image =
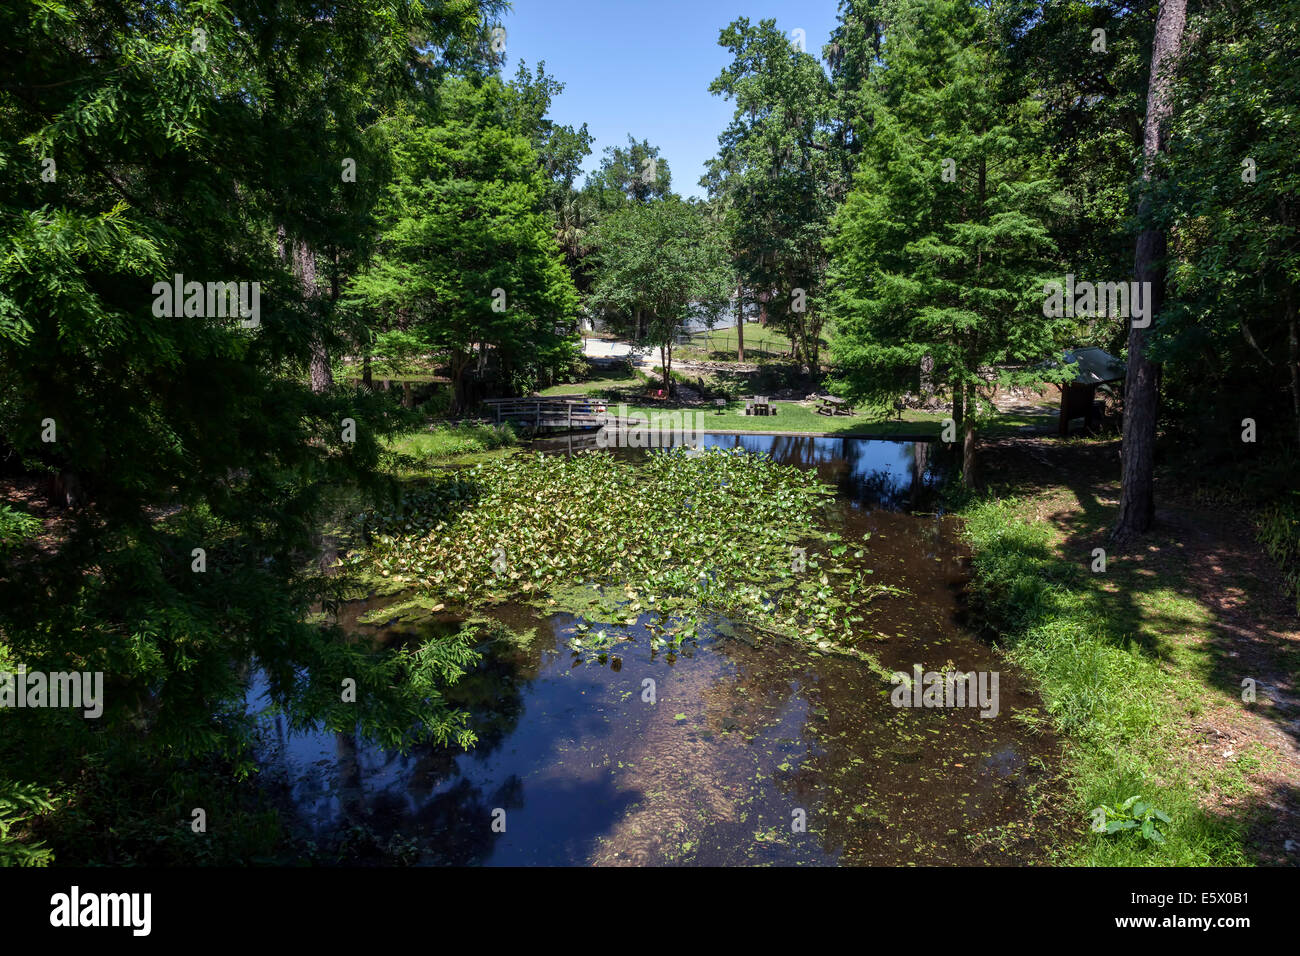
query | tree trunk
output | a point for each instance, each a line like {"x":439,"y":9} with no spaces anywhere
{"x":303,"y":262}
{"x":812,"y":346}
{"x":968,"y":453}
{"x":321,"y":376}
{"x":458,"y":365}
{"x":964,"y":425}
{"x":304,"y":266}
{"x":1293,"y":355}
{"x":740,"y":322}
{"x":1142,"y":382}
{"x":365,"y":370}
{"x":958,"y":406}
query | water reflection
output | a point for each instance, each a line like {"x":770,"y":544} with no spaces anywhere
{"x":895,"y":475}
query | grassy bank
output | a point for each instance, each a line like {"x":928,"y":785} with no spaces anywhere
{"x":1139,"y":666}
{"x":601,"y":380}
{"x":414,"y":453}
{"x":794,"y":417}
{"x":804,"y":419}
{"x":1113,"y":698}
{"x":622,"y":385}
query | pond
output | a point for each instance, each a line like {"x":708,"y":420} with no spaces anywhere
{"x":722,"y":752}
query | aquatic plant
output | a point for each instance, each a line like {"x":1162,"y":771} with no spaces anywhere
{"x":663,"y":543}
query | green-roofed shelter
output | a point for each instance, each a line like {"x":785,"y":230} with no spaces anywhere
{"x":1094,"y":367}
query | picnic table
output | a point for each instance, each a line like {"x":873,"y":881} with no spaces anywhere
{"x":759,"y":405}
{"x":830,"y":405}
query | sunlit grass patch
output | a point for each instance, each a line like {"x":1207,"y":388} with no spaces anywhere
{"x":601,"y":379}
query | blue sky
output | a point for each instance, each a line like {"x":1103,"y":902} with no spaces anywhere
{"x":644,"y":67}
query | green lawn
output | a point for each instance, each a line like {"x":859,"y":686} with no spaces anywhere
{"x":620,"y":385}
{"x":794,"y":417}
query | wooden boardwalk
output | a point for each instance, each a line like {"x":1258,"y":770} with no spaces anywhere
{"x":560,"y":411}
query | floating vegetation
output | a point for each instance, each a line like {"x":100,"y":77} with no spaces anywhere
{"x":663,"y":544}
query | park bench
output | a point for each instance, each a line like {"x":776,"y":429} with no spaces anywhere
{"x":759,"y":405}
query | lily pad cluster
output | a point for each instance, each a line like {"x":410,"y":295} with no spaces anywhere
{"x":658,"y":542}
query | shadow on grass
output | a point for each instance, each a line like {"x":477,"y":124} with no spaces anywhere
{"x":1196,"y":595}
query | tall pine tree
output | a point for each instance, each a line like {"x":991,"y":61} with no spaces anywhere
{"x":940,"y":251}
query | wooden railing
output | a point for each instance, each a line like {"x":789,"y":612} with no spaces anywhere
{"x":559,"y":411}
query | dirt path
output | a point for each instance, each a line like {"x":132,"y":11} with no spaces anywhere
{"x":1256,"y":637}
